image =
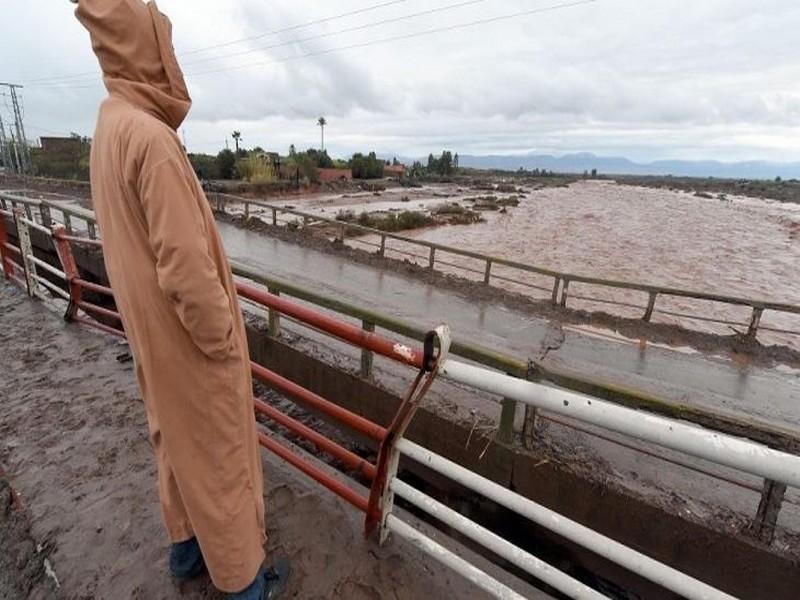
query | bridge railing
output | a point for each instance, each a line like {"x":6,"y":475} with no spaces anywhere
{"x":559,"y":292}
{"x":779,"y":467}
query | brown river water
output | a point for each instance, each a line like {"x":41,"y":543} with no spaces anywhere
{"x":735,"y":246}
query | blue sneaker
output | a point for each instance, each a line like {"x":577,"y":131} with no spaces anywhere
{"x":186,"y":561}
{"x":269,"y":583}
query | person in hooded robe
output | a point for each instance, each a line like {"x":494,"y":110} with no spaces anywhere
{"x":178,"y":303}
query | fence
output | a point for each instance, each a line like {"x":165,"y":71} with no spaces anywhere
{"x":558,"y":292}
{"x":433,"y":359}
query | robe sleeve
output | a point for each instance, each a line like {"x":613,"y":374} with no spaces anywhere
{"x":186,"y":272}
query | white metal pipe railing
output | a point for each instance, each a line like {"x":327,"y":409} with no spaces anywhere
{"x":720,"y":448}
{"x":502,"y":548}
{"x":47,"y":267}
{"x":634,"y":561}
{"x":451,"y":560}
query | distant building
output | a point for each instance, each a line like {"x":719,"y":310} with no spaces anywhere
{"x":329,"y":175}
{"x":62,"y":148}
{"x":394,"y":171}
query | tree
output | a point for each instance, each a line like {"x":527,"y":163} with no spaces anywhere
{"x":367,"y":167}
{"x":322,"y":122}
{"x":292,"y":151}
{"x":455,"y":161}
{"x":226,"y":163}
{"x":237,"y":135}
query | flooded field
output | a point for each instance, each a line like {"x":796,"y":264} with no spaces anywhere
{"x":725,"y":245}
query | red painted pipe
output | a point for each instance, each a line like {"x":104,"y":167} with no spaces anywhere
{"x":95,"y":287}
{"x":79,"y":240}
{"x":350,"y":459}
{"x":89,"y":307}
{"x":100,"y":326}
{"x":333,"y":484}
{"x":345,"y":331}
{"x":312,"y":400}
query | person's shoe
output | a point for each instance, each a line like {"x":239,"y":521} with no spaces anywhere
{"x":269,"y":583}
{"x":186,"y":561}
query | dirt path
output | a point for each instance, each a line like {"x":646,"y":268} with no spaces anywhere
{"x":73,"y":443}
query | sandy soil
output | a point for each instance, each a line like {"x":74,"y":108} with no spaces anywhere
{"x":74,"y":445}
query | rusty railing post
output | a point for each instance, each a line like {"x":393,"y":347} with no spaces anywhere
{"x":531,"y":414}
{"x":487,"y":275}
{"x":432,"y":258}
{"x":382,"y":251}
{"x":651,"y":304}
{"x":44,"y":213}
{"x":274,"y":317}
{"x":367,"y":357}
{"x":508,"y":413}
{"x":70,"y":268}
{"x":555,"y":290}
{"x":755,"y":321}
{"x":564,"y":292}
{"x":275,"y":217}
{"x":763,"y":525}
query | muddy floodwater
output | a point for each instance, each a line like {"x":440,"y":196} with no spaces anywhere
{"x":735,"y":246}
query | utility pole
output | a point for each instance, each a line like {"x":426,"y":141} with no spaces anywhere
{"x":5,"y":149}
{"x":21,"y":146}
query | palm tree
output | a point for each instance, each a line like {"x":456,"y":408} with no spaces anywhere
{"x":322,"y":122}
{"x":237,"y":135}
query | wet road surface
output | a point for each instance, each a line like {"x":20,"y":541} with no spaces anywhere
{"x":771,"y":395}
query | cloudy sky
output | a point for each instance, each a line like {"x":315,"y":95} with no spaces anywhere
{"x":647,"y":79}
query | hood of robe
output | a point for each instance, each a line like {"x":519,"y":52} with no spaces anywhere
{"x":133,"y":42}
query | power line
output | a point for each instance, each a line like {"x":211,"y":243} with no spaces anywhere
{"x":340,"y":32}
{"x":379,"y":41}
{"x":245,"y":39}
{"x":296,"y":27}
{"x":400,"y":37}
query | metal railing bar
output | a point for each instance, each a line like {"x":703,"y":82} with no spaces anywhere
{"x":723,"y":449}
{"x":88,"y":307}
{"x":13,"y":248}
{"x":47,"y":267}
{"x":699,"y":318}
{"x":629,"y":558}
{"x":337,"y":487}
{"x":499,"y":546}
{"x":449,"y":559}
{"x":53,"y":288}
{"x":95,"y":287}
{"x":778,"y":330}
{"x":348,"y":458}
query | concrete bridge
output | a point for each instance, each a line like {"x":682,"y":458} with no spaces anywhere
{"x":710,"y":391}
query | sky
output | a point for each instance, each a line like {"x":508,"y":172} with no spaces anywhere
{"x":668,"y":79}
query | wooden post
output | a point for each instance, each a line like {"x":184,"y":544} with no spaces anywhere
{"x":651,"y":303}
{"x":92,"y":229}
{"x":274,"y":318}
{"x":246,"y":211}
{"x":342,"y":233}
{"x":432,"y":258}
{"x":564,"y":291}
{"x":29,"y":212}
{"x":488,"y":273}
{"x":305,"y":221}
{"x":755,"y":321}
{"x":67,"y":222}
{"x":44,"y":212}
{"x":555,"y":290}
{"x":506,"y":432}
{"x":763,"y":526}
{"x":275,"y":217}
{"x":367,"y":357}
{"x":383,"y":246}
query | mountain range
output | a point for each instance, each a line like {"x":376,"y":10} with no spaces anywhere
{"x":618,"y":165}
